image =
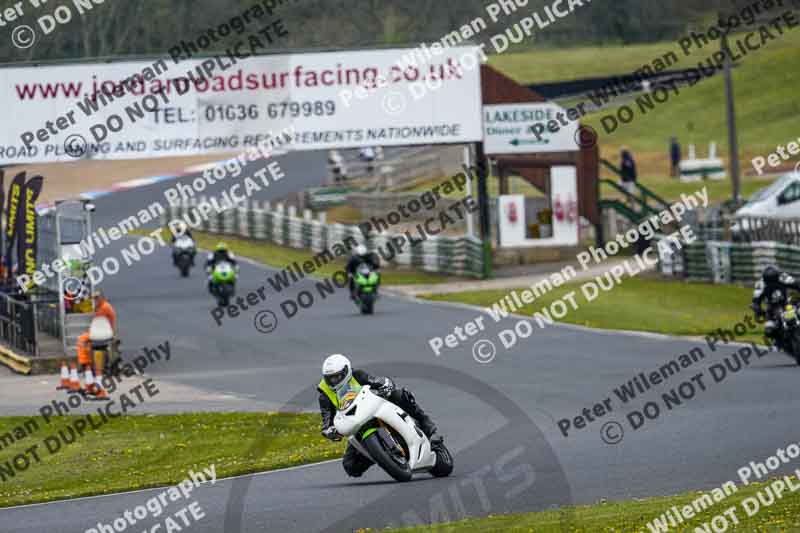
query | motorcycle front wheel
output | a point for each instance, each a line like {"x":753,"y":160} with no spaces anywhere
{"x":794,"y":345}
{"x":221,"y":297}
{"x":367,"y":304}
{"x":393,"y":465}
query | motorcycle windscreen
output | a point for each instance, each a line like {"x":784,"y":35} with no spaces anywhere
{"x":347,"y":394}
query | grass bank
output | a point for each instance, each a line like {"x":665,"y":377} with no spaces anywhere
{"x":633,"y":516}
{"x":136,"y":452}
{"x":766,"y":109}
{"x":640,"y":304}
{"x":763,"y":83}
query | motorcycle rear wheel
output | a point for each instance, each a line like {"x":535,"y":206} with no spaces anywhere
{"x":444,"y":461}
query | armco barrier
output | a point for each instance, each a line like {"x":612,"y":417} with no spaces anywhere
{"x":730,"y":262}
{"x":461,"y":256}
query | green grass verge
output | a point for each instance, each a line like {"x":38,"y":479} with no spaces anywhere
{"x":671,"y":189}
{"x":640,"y":304}
{"x":135,"y":452}
{"x":516,"y":185}
{"x":633,"y":516}
{"x":278,"y":256}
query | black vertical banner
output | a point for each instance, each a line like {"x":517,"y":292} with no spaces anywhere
{"x":14,"y":199}
{"x":2,"y":204}
{"x":26,"y":228}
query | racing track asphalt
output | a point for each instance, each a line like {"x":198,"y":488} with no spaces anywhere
{"x":499,"y":418}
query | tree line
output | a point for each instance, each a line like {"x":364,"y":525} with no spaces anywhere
{"x":124,"y":28}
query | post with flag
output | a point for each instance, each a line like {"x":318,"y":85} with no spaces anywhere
{"x":2,"y":233}
{"x":27,"y":227}
{"x":26,"y":249}
{"x":14,"y":196}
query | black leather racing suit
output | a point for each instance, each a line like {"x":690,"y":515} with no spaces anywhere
{"x":776,"y":296}
{"x":353,"y":462}
{"x":216,"y":257}
{"x":186,"y":233}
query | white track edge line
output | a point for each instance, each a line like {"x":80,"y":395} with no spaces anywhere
{"x":97,"y":496}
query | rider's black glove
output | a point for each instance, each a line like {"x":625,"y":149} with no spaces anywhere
{"x":331,"y":434}
{"x":386,"y":388}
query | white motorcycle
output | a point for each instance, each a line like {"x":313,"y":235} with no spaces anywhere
{"x":389,"y":436}
{"x":183,"y":254}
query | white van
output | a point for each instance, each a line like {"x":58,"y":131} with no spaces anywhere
{"x":781,"y":199}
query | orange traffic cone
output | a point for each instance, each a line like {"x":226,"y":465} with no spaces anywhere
{"x":64,"y":377}
{"x":74,"y":380}
{"x":100,"y":391}
{"x":88,"y":378}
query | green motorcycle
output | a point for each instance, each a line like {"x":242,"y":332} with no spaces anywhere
{"x":223,"y":282}
{"x":366,"y":284}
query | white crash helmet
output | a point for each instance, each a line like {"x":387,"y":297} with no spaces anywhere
{"x":361,"y":250}
{"x":337,"y":371}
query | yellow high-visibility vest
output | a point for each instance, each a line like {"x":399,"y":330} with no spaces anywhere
{"x":331,"y":394}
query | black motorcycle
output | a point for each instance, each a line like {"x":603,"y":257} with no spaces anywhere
{"x":183,"y":253}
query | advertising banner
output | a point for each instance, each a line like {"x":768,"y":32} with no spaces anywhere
{"x":26,"y":228}
{"x":14,"y":201}
{"x":2,"y":206}
{"x":159,"y":108}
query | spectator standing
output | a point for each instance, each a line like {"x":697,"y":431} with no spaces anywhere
{"x":674,"y":157}
{"x":367,"y":155}
{"x":336,"y":162}
{"x":628,"y":170}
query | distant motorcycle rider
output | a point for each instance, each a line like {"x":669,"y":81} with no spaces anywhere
{"x":360,"y":255}
{"x":220,"y":254}
{"x":337,"y":373}
{"x":773,"y":287}
{"x":185,"y":233}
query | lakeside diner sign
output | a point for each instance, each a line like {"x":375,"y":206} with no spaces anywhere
{"x":528,"y":128}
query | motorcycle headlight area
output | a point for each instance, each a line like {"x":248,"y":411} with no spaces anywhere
{"x":346,"y":405}
{"x":348,"y":400}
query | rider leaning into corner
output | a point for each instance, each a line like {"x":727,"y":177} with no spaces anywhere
{"x":220,"y":253}
{"x":773,"y":287}
{"x":337,"y":372}
{"x":360,"y":255}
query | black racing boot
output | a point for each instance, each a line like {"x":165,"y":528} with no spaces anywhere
{"x":427,"y":426}
{"x":410,"y":405}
